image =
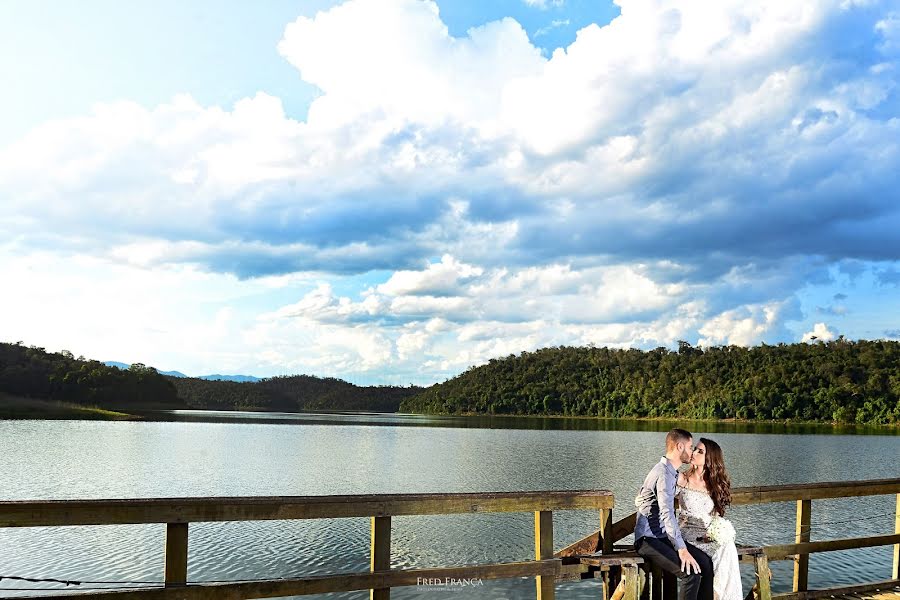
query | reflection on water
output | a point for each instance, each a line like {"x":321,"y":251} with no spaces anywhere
{"x":512,"y":422}
{"x":256,"y":456}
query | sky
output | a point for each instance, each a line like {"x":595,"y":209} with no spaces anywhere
{"x":393,"y":191}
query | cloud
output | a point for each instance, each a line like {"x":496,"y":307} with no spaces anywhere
{"x":820,"y":332}
{"x":837,"y":310}
{"x":680,"y":173}
{"x":745,"y":326}
{"x":888,"y":276}
{"x":554,"y":24}
{"x":443,"y":278}
{"x":626,"y":144}
{"x":544,"y":4}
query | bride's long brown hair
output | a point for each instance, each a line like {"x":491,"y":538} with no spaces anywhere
{"x":718,"y":484}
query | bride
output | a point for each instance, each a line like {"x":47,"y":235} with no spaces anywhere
{"x":703,"y":492}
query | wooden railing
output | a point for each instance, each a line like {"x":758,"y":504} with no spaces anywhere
{"x":800,"y":550}
{"x":546,"y":568}
{"x":178,"y":513}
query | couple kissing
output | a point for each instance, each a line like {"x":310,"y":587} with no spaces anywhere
{"x":696,"y":544}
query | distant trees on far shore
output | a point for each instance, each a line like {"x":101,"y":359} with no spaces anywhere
{"x":32,"y":372}
{"x":290,"y":393}
{"x":839,"y":381}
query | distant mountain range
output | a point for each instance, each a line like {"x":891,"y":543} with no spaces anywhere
{"x":213,"y":377}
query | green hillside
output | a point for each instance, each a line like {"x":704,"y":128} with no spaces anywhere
{"x":842,"y":381}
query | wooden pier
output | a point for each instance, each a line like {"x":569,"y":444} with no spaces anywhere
{"x":624,"y":575}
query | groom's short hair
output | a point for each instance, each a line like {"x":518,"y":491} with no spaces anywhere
{"x":676,"y":436}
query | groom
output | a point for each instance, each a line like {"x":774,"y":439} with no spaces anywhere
{"x":656,"y":535}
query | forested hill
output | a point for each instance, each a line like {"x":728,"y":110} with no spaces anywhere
{"x":32,"y":372}
{"x":296,"y":392}
{"x":836,"y":381}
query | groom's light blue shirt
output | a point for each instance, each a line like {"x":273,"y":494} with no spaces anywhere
{"x":656,"y":505}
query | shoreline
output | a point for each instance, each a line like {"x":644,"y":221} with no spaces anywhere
{"x":20,"y":408}
{"x":731,"y":421}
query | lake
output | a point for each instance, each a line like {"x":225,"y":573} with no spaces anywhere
{"x":262,"y":454}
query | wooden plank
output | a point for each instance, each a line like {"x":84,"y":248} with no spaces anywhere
{"x":622,"y":529}
{"x":176,"y":554}
{"x":618,"y":559}
{"x":43,"y":513}
{"x":801,"y":566}
{"x":586,"y":545}
{"x":889,"y":585}
{"x":763,"y":576}
{"x":572,"y":572}
{"x":895,"y":569}
{"x":630,"y":579}
{"x":543,"y":549}
{"x":380,"y":553}
{"x":814,"y":491}
{"x":783,"y":551}
{"x":605,"y":541}
{"x":346,"y":582}
{"x":593,"y":542}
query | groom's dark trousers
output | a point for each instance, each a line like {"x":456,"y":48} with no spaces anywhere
{"x":661,"y":553}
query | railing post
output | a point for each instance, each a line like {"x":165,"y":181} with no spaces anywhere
{"x":895,"y":570}
{"x":632,"y":586}
{"x":606,"y":538}
{"x":176,"y":554}
{"x":763,"y":576}
{"x":801,"y":567}
{"x":543,"y":549}
{"x":381,"y":553}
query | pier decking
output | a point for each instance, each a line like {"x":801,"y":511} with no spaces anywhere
{"x":879,"y":593}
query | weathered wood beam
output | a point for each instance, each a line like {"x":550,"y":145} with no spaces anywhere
{"x":895,"y":570}
{"x":543,"y":550}
{"x":840,"y":591}
{"x":347,"y":582}
{"x":784,"y":550}
{"x":801,"y":567}
{"x":380,"y":559}
{"x":45,"y":513}
{"x":176,"y":554}
{"x":814,"y":491}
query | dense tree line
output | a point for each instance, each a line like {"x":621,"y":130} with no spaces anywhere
{"x":842,"y":381}
{"x":296,"y":392}
{"x":31,"y":372}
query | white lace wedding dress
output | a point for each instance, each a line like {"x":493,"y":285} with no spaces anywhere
{"x":695,"y":513}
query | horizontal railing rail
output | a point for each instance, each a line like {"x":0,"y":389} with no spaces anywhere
{"x":178,"y":513}
{"x":44,"y":513}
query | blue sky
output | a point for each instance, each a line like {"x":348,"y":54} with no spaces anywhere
{"x":391,"y":191}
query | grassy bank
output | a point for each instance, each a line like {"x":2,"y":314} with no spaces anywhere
{"x":17,"y":407}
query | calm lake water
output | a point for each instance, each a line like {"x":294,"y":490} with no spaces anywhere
{"x":252,"y":454}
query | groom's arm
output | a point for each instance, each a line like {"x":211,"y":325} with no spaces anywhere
{"x":665,"y":494}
